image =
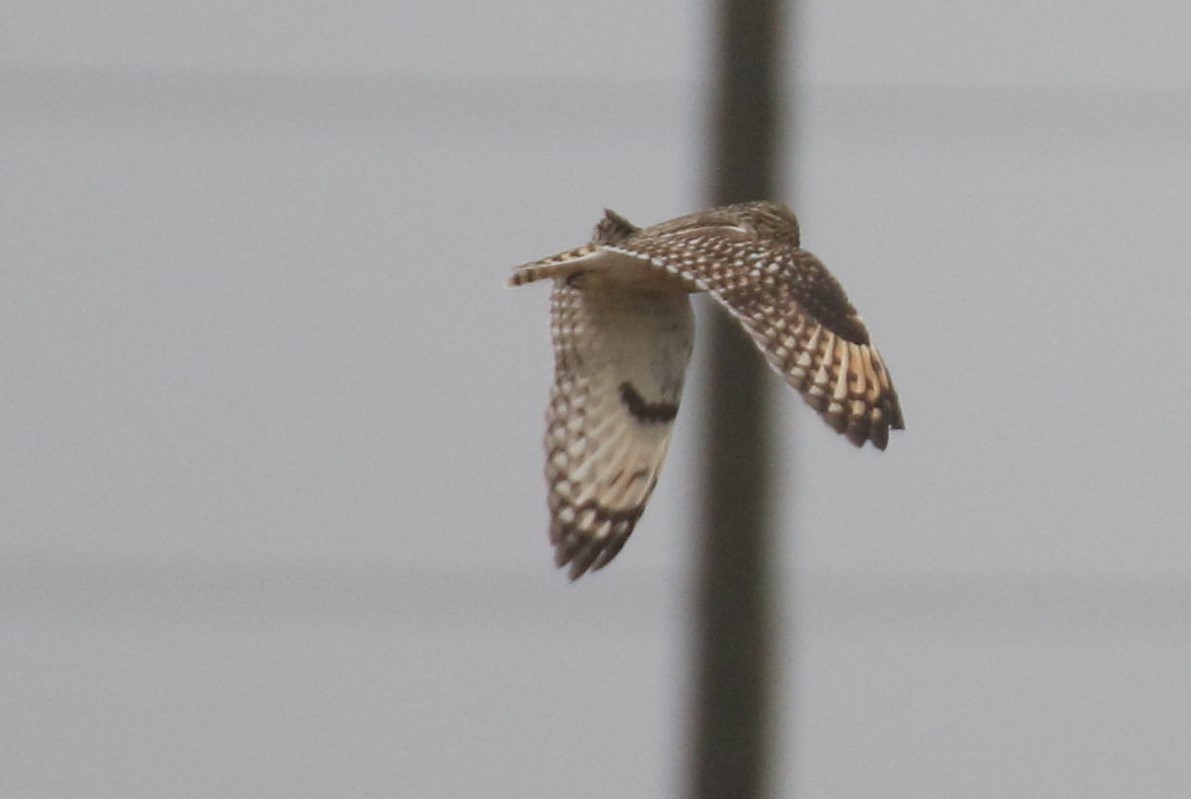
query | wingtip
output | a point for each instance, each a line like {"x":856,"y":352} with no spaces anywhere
{"x":583,"y":550}
{"x":578,"y":557}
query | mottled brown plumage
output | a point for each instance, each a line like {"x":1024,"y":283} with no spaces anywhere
{"x":623,"y":330}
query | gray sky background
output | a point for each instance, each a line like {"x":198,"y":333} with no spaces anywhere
{"x":1012,"y":43}
{"x":273,"y":523}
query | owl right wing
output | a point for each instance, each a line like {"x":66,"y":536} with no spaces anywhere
{"x":795,"y":311}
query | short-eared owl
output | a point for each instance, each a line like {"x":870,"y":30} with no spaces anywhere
{"x":623,"y":329}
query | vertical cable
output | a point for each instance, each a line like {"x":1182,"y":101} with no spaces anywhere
{"x":734,"y":672}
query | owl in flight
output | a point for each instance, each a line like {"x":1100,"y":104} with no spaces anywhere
{"x":623,"y":329}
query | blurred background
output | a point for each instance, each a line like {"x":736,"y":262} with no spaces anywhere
{"x":272,"y":520}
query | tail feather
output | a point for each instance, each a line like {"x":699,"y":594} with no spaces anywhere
{"x":611,"y":229}
{"x":550,"y":267}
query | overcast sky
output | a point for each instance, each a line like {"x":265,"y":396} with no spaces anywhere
{"x":1015,"y":43}
{"x":273,"y":521}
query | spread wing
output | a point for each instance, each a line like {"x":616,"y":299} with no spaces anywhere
{"x":620,"y":363}
{"x":795,"y":311}
{"x":622,"y":329}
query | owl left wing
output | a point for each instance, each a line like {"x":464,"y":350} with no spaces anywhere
{"x":797,"y":314}
{"x":620,"y":358}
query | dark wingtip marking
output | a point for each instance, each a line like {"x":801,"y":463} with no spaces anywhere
{"x":583,"y":549}
{"x":858,"y":432}
{"x":880,"y":438}
{"x":646,"y":412}
{"x":581,"y":557}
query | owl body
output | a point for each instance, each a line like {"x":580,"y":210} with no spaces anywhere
{"x":623,"y":330}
